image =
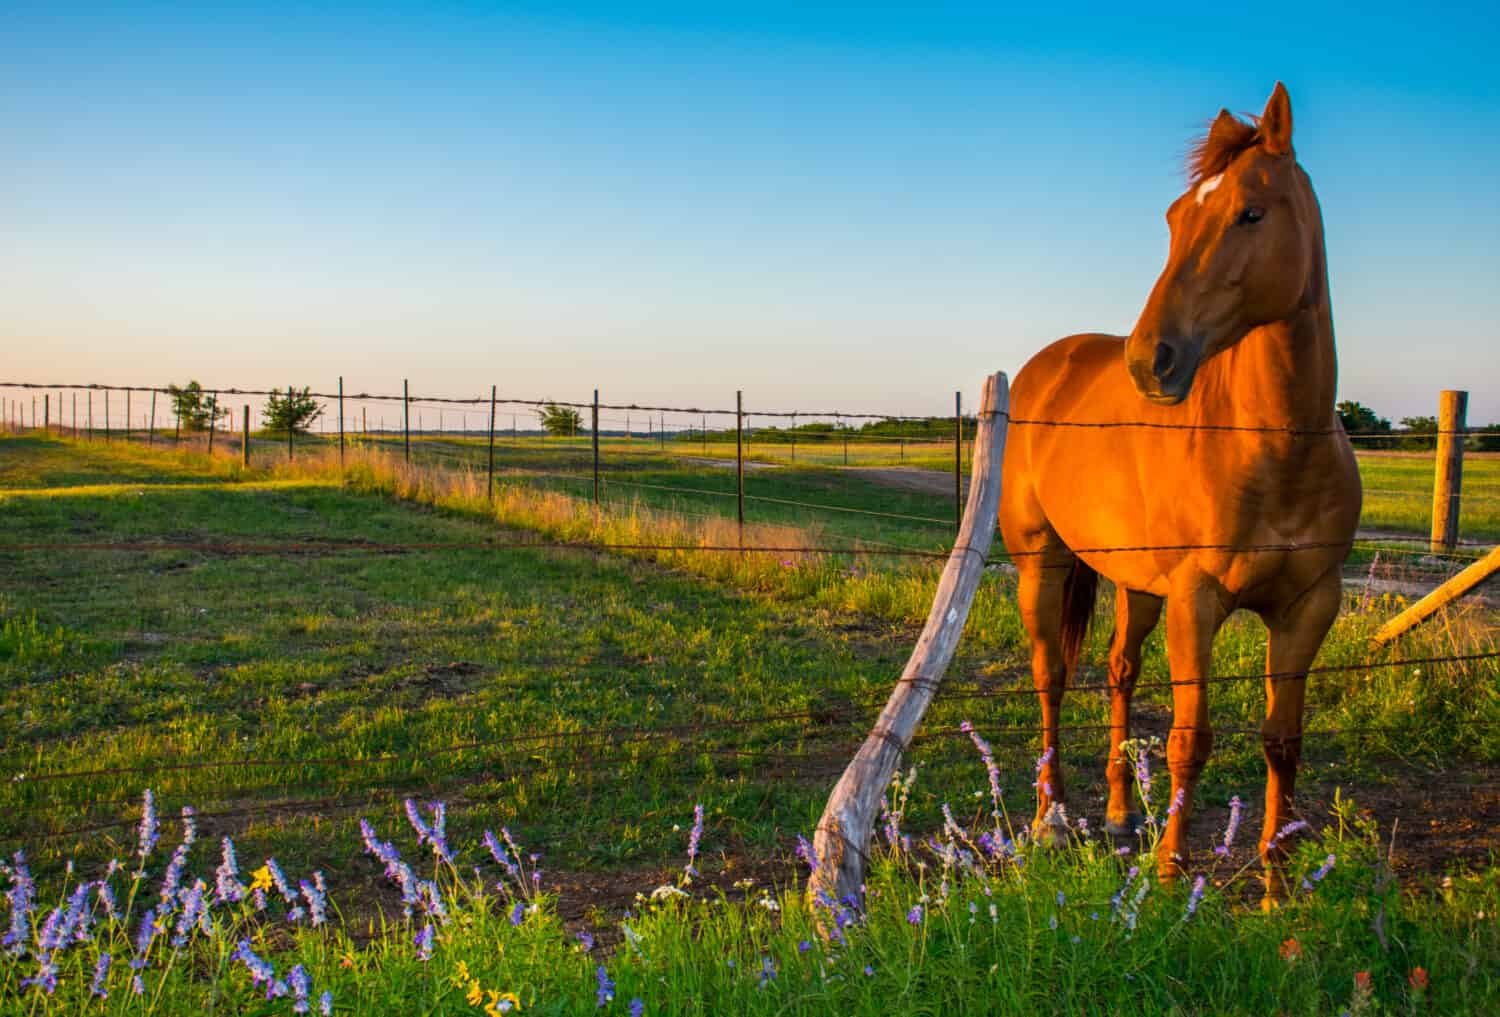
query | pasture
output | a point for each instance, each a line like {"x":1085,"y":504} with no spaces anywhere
{"x":292,"y":647}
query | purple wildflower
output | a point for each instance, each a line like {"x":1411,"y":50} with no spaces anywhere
{"x":1041,"y":764}
{"x":1119,"y":898}
{"x":1199,"y":886}
{"x":301,"y":986}
{"x":137,"y":986}
{"x":914,"y":916}
{"x":637,"y":1007}
{"x":606,"y":987}
{"x":1235,"y":808}
{"x":1178,"y":800}
{"x":869,"y":971}
{"x":106,"y":895}
{"x":1317,"y":877}
{"x":1286,"y":831}
{"x":317,"y":899}
{"x":807,"y":854}
{"x":693,"y":838}
{"x":75,"y":926}
{"x":518,"y":913}
{"x":502,"y":856}
{"x":987,"y":754}
{"x":325,"y":1004}
{"x":424,"y":943}
{"x":227,"y":885}
{"x":260,"y":970}
{"x":101,"y":976}
{"x":149,"y":829}
{"x":586,"y":940}
{"x":194,"y":914}
{"x":144,"y":937}
{"x":767,"y":972}
{"x":283,"y":885}
{"x":804,"y":946}
{"x":1143,"y":772}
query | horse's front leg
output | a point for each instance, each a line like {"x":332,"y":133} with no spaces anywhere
{"x":1136,"y":615}
{"x":1296,"y":632}
{"x":1039,"y":595}
{"x":1194,"y":613}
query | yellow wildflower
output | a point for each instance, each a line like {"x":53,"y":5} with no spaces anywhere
{"x":262,"y":878}
{"x":476,"y":994}
{"x":461,"y":974}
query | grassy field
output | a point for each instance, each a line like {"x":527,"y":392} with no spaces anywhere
{"x":587,"y":700}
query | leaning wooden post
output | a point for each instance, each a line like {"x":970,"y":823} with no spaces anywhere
{"x":1448,"y":470}
{"x":958,"y":460}
{"x":841,"y":843}
{"x":1441,"y":597}
{"x":341,"y":421}
{"x":489,"y":490}
{"x":213,"y":420}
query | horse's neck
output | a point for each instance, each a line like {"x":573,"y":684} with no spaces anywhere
{"x":1283,"y":374}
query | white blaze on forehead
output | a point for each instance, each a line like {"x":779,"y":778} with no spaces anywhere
{"x":1209,"y":186}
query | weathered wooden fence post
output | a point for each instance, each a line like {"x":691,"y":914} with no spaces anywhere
{"x":245,"y":438}
{"x":106,"y":414}
{"x":406,"y":415}
{"x":1448,"y":470}
{"x":1463,"y":583}
{"x":151,"y":427}
{"x":46,"y":412}
{"x":341,"y":421}
{"x":127,"y":414}
{"x":489,"y":494}
{"x":213,"y":420}
{"x":841,"y":843}
{"x":290,"y":430}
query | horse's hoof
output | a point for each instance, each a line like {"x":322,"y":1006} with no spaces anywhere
{"x":1129,"y":828}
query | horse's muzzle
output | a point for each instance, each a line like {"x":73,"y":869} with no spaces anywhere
{"x":1165,"y":376}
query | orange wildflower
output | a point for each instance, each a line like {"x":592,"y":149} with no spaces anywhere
{"x":1291,"y":951}
{"x":1418,"y":978}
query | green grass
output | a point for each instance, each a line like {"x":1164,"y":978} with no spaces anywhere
{"x":586,"y":700}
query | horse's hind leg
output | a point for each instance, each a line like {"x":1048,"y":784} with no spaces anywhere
{"x":1136,"y":615}
{"x":1039,"y":594}
{"x":1296,"y":633}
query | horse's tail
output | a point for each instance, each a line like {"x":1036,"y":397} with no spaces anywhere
{"x":1079,"y":590}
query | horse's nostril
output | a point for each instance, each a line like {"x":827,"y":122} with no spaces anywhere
{"x":1161,"y":363}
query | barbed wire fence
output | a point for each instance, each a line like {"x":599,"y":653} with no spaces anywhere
{"x":607,"y":750}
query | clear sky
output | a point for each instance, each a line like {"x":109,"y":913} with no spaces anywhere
{"x":867,"y":207}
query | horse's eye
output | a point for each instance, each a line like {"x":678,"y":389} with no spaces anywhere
{"x":1250,"y":216}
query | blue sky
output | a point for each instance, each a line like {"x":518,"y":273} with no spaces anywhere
{"x":867,"y":206}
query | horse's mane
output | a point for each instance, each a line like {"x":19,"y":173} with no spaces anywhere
{"x":1211,"y":154}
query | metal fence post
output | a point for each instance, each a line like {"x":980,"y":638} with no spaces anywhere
{"x":341,"y":421}
{"x":596,"y":448}
{"x":958,"y":460}
{"x":489,"y":494}
{"x":1448,"y":469}
{"x":245,"y":438}
{"x":289,"y":428}
{"x":106,"y":415}
{"x":739,"y":460}
{"x":406,"y":415}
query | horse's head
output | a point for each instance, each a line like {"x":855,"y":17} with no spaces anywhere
{"x":1245,"y":240}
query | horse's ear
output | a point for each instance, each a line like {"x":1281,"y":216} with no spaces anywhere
{"x":1276,"y":122}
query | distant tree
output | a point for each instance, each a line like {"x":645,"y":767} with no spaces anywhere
{"x":195,"y":407}
{"x":559,"y":420}
{"x":295,"y":410}
{"x":1420,"y":432}
{"x":1485,"y":439}
{"x":1358,"y":418}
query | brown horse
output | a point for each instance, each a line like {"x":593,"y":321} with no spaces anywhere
{"x":1198,"y":461}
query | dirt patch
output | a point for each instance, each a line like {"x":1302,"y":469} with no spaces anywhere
{"x":729,"y":464}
